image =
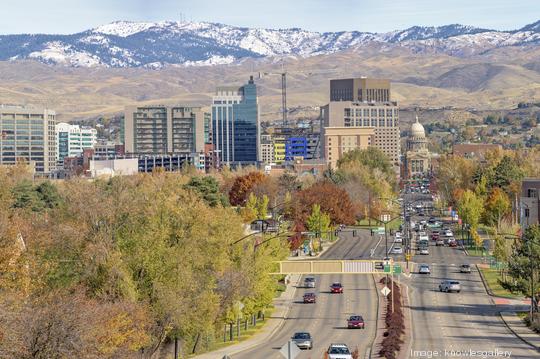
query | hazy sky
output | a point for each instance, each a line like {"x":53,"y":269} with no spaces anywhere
{"x":70,"y":16}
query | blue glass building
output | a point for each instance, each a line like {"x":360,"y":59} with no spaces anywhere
{"x":235,"y":124}
{"x":296,"y":147}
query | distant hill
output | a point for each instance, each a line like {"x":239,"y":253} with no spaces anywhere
{"x":154,"y":45}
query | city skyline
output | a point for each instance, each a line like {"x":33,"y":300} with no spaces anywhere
{"x":66,"y":17}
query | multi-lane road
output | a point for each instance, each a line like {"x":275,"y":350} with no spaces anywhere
{"x":444,"y":325}
{"x":326,"y":320}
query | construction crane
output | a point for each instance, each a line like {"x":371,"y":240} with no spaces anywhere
{"x":283,"y":75}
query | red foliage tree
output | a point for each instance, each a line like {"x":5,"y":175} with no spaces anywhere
{"x":242,"y":187}
{"x":296,"y":240}
{"x":333,"y":200}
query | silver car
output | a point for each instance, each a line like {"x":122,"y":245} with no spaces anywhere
{"x":465,"y":268}
{"x":450,"y":286}
{"x":303,"y":340}
{"x":424,"y":269}
{"x":309,"y":282}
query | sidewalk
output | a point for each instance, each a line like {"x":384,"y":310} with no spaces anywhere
{"x":273,"y":324}
{"x":520,"y":329}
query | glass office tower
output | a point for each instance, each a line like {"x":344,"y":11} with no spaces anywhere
{"x":235,"y":124}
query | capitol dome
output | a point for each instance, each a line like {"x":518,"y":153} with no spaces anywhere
{"x":417,"y":130}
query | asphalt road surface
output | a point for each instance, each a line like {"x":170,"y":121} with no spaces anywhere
{"x":326,"y":320}
{"x":454,"y":325}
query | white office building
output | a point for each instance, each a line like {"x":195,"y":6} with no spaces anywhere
{"x":71,"y":140}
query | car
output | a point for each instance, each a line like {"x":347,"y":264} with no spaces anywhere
{"x":465,"y":268}
{"x":440,"y":242}
{"x":449,"y":286}
{"x":398,"y":235}
{"x":424,"y":251}
{"x":309,"y":282}
{"x":423,"y":237}
{"x":448,"y":233}
{"x":336,"y":288}
{"x":303,"y":340}
{"x":452,"y":243}
{"x":310,"y":298}
{"x":434,"y":236}
{"x":397,"y":250}
{"x":355,"y":321}
{"x":398,"y":240}
{"x":339,"y":351}
{"x":424,"y":269}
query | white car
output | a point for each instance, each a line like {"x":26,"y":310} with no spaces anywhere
{"x":398,"y":235}
{"x":398,"y":240}
{"x":423,"y":238}
{"x":424,"y":269}
{"x":448,"y":233}
{"x":424,"y":251}
{"x":339,"y":351}
{"x":397,"y":250}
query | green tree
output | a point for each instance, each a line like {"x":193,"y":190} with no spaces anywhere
{"x":506,"y":172}
{"x":262,"y":207}
{"x":208,"y":188}
{"x":470,"y":209}
{"x":496,"y":207}
{"x":524,"y":265}
{"x":250,"y":211}
{"x":318,"y":221}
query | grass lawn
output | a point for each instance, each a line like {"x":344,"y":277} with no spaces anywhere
{"x":364,"y":223}
{"x":491,"y":276}
{"x":476,"y":252}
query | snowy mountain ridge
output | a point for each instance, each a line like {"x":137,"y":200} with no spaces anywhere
{"x":157,"y":44}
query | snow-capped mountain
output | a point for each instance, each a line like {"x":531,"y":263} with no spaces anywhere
{"x":155,"y":44}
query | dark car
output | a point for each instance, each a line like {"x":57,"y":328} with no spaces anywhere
{"x":336,"y":288}
{"x":310,"y":298}
{"x":355,"y":321}
{"x":303,"y":340}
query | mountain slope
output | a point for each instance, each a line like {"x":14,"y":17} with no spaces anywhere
{"x":154,"y":45}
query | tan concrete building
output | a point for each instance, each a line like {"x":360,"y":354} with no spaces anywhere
{"x":165,"y":130}
{"x":383,"y":117}
{"x":339,"y":140}
{"x":529,"y":202}
{"x":28,"y":135}
{"x":417,"y":159}
{"x":360,"y":90}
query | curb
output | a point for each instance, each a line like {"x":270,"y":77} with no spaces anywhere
{"x":271,"y":334}
{"x":486,"y":287}
{"x":516,"y":334}
{"x":411,"y":331}
{"x":372,"y":347}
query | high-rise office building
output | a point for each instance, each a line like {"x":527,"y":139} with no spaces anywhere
{"x":28,"y":135}
{"x":159,"y":130}
{"x":365,"y":103}
{"x":235,"y":124}
{"x":71,"y":140}
{"x":360,"y":90}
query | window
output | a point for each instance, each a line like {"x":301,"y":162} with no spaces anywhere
{"x":532,"y":193}
{"x":527,"y":213}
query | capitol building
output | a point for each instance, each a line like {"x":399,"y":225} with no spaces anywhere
{"x":417,"y":159}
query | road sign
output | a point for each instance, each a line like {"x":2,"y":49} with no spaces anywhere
{"x":290,"y":350}
{"x":397,"y":269}
{"x":385,"y":291}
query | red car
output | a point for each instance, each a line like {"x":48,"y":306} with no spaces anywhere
{"x":434,"y":236}
{"x":336,"y":288}
{"x":310,"y":298}
{"x":452,"y":243}
{"x":355,"y":321}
